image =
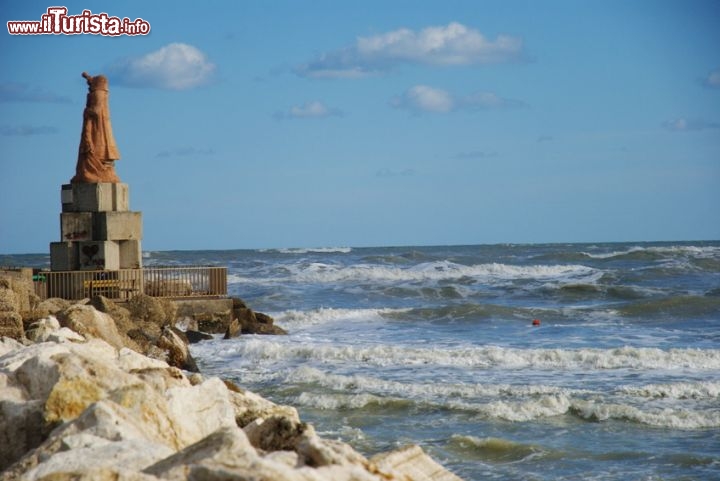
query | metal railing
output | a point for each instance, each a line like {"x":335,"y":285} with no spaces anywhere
{"x":124,"y":284}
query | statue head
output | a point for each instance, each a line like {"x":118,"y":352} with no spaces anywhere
{"x":99,"y":82}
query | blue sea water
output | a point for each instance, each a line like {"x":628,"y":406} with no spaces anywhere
{"x":435,"y":346}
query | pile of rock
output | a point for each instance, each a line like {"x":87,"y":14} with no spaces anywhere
{"x":78,"y":405}
{"x":97,"y":391}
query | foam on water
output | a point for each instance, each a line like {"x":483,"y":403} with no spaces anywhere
{"x":694,"y":251}
{"x":481,"y":356}
{"x":427,"y":343}
{"x":310,"y":250}
{"x":324,"y":315}
{"x":440,"y":270}
{"x":516,"y":403}
{"x":704,"y":390}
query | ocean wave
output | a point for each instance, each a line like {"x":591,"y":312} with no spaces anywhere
{"x":706,"y":390}
{"x":486,"y":357}
{"x":675,"y":418}
{"x":528,"y":408}
{"x":324,"y":315}
{"x":494,"y":449}
{"x":685,"y":306}
{"x":416,"y":390}
{"x":310,"y":250}
{"x":658,"y":252}
{"x":337,"y":401}
{"x":439,"y":270}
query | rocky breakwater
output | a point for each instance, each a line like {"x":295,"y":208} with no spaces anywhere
{"x":79,"y":401}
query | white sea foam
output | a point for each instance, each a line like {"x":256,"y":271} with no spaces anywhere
{"x":325,"y":315}
{"x":309,"y":250}
{"x":440,"y":270}
{"x":704,"y":390}
{"x":419,"y":390}
{"x":517,"y":403}
{"x":676,"y":418}
{"x":484,"y":357}
{"x":693,"y":251}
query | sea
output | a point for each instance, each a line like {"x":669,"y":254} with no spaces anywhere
{"x":503,"y":362}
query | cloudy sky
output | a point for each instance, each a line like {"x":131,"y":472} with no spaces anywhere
{"x":326,"y":123}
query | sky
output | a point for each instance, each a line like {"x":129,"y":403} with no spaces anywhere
{"x":303,"y":123}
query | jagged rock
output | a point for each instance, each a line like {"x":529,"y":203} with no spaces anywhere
{"x":48,"y":307}
{"x":267,"y":325}
{"x":9,"y":345}
{"x":49,"y":330}
{"x":248,"y":407}
{"x":91,"y":323}
{"x":8,"y":299}
{"x":86,"y":387}
{"x":411,"y":462}
{"x":197,"y":336}
{"x":227,"y":446}
{"x":237,"y":302}
{"x":206,"y":315}
{"x":153,"y":310}
{"x":185,"y":323}
{"x":252,"y":322}
{"x":275,"y":433}
{"x":316,"y":452}
{"x":53,"y":305}
{"x":11,"y":325}
{"x":20,"y":282}
{"x":246,"y":318}
{"x":88,"y":411}
{"x":120,"y":315}
{"x":233,"y":330}
{"x":178,"y":354}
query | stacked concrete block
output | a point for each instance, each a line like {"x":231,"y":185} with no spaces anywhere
{"x":97,"y":229}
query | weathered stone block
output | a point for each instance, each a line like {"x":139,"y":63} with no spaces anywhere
{"x":99,"y":255}
{"x":101,"y":197}
{"x":63,"y":256}
{"x":130,"y":254}
{"x":76,"y":226}
{"x":118,"y":226}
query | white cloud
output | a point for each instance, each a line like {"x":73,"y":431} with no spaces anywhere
{"x":314,"y":109}
{"x":452,"y":44}
{"x":425,"y":99}
{"x":713,"y":79}
{"x":176,"y":66}
{"x":683,"y":124}
{"x":422,"y":98}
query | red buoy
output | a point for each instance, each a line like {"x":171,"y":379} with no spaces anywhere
{"x":536,"y":322}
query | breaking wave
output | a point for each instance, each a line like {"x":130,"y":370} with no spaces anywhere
{"x":514,"y":403}
{"x":484,"y":357}
{"x":311,"y":250}
{"x":440,"y":270}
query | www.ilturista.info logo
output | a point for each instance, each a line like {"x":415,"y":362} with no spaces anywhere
{"x":57,"y":22}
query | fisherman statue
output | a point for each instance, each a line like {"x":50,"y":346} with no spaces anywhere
{"x":98,"y":152}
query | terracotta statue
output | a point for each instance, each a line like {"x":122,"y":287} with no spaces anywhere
{"x":98,"y":151}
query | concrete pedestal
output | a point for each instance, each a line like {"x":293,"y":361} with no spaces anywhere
{"x":103,"y":197}
{"x":99,"y":255}
{"x":118,"y":226}
{"x":97,"y":230}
